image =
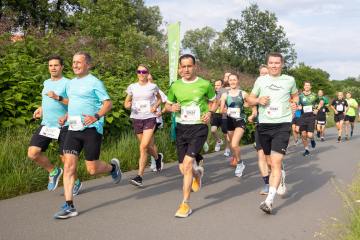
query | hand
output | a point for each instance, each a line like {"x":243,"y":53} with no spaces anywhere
{"x":128,"y":104}
{"x":62,"y":120}
{"x":251,"y":118}
{"x":53,"y":95}
{"x":336,"y":112}
{"x":158,"y":114}
{"x":206,"y":117}
{"x":316,"y":111}
{"x":153,"y":109}
{"x":175,"y":107}
{"x":264,"y":100}
{"x":37,"y":113}
{"x":224,"y":110}
{"x":88,"y":120}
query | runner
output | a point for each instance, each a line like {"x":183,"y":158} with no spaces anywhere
{"x":88,"y":104}
{"x":143,"y":98}
{"x":216,"y":118}
{"x":350,"y":115}
{"x":159,"y":125}
{"x":232,"y":103}
{"x":339,"y":106}
{"x":188,"y":98}
{"x":225,"y":87}
{"x":263,"y":163}
{"x":307,"y":102}
{"x":53,"y":106}
{"x":295,"y":126}
{"x":276,"y":95}
{"x":321,"y":115}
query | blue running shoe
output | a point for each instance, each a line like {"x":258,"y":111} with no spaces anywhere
{"x":54,"y":178}
{"x":66,"y":212}
{"x":313,"y":143}
{"x":116,"y":174}
{"x":306,"y":153}
{"x":77,"y":187}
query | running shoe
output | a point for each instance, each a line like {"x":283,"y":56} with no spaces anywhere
{"x":66,"y":211}
{"x":313,"y":143}
{"x":77,"y":187}
{"x":322,"y":139}
{"x":306,"y":153}
{"x":265,"y":190}
{"x":227,"y":152}
{"x":239,"y":169}
{"x":206,"y":147}
{"x":339,"y":139}
{"x":183,"y":211}
{"x":254,"y":145}
{"x":282,"y":187}
{"x":197,"y":180}
{"x":137,"y":181}
{"x":266,"y":207}
{"x":54,"y":178}
{"x":218,"y":145}
{"x":153,"y":164}
{"x":233,"y":162}
{"x":116,"y":173}
{"x":159,"y":162}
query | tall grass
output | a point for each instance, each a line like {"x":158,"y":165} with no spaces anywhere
{"x":19,"y":175}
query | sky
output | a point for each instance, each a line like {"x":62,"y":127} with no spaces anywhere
{"x":326,"y":33}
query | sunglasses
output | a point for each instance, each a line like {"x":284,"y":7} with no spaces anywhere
{"x":142,"y":72}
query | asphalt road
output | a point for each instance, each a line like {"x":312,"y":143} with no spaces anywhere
{"x":226,"y":208}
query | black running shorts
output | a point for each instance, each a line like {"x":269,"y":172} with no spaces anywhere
{"x":43,"y":142}
{"x":307,"y":123}
{"x":274,"y":137}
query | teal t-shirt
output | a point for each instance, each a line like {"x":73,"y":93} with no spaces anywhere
{"x":193,"y":98}
{"x":52,"y":109}
{"x":85,"y":97}
{"x":279,"y":89}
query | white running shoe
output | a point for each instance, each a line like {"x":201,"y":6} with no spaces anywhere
{"x":206,"y":147}
{"x":153,"y":164}
{"x":227,"y":152}
{"x":218,"y":145}
{"x":239,"y":169}
{"x":282,"y":187}
{"x":266,"y":207}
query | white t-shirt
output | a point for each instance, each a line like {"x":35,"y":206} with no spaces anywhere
{"x":143,"y":98}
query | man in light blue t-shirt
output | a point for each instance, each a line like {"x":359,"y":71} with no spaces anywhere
{"x":88,"y":104}
{"x":53,"y":106}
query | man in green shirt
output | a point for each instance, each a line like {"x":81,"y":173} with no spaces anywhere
{"x":350,"y":115}
{"x":309,"y":109}
{"x":188,"y":98}
{"x":277,"y":95}
{"x":321,"y":115}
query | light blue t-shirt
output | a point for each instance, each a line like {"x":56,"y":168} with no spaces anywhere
{"x":85,"y":97}
{"x":52,"y":109}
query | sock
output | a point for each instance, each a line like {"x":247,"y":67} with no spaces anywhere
{"x":266,"y":179}
{"x":70,"y":203}
{"x":270,"y":197}
{"x":113,"y":167}
{"x":307,"y":148}
{"x":77,"y":181}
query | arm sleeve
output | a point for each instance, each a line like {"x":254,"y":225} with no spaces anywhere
{"x":100,"y":91}
{"x":256,"y":88}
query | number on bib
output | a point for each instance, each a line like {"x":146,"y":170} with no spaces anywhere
{"x":233,"y":112}
{"x":190,"y":113}
{"x":143,"y":106}
{"x":75,"y":123}
{"x":50,"y":132}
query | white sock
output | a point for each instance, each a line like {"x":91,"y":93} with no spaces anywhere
{"x":270,"y":197}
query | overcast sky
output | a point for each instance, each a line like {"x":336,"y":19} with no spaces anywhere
{"x":326,"y":33}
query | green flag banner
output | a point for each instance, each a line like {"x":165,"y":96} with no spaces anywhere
{"x":174,"y":49}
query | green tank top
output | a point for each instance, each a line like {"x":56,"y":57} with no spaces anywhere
{"x":235,"y":105}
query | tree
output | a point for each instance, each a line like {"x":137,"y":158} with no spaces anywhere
{"x":199,"y":41}
{"x":254,"y":35}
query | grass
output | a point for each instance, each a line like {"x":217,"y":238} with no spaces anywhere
{"x":20,"y":175}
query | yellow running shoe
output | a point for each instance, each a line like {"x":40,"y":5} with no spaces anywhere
{"x":196,"y":183}
{"x":183,"y":211}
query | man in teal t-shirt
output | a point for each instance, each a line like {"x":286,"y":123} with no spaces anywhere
{"x":350,"y":115}
{"x":88,"y":104}
{"x":189,"y":98}
{"x":53,"y":106}
{"x":276,"y":95}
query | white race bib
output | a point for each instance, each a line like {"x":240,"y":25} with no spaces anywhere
{"x":340,"y":108}
{"x":274,"y":110}
{"x":75,"y":123}
{"x":190,"y":113}
{"x":307,"y":109}
{"x":50,"y":132}
{"x":233,"y":112}
{"x":143,"y":106}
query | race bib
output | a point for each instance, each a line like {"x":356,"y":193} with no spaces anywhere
{"x":340,"y":108}
{"x":274,"y":111}
{"x":233,"y":112}
{"x":143,"y":106}
{"x":190,"y":113}
{"x":307,"y":109}
{"x":75,"y":123}
{"x":50,"y":132}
